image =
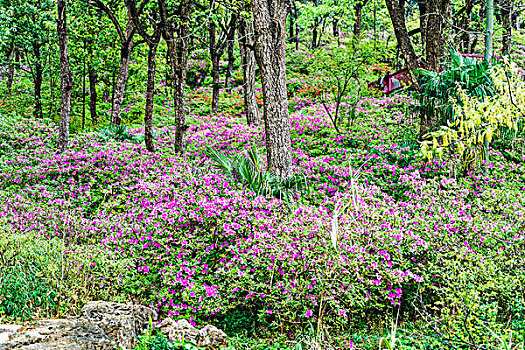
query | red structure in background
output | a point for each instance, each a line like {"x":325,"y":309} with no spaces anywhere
{"x":400,"y":80}
{"x":392,"y":82}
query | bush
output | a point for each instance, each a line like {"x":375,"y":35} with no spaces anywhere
{"x":120,"y":133}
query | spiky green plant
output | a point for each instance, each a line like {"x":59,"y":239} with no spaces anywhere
{"x":439,"y":91}
{"x":246,"y":168}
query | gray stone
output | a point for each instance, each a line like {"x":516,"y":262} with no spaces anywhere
{"x":209,"y":336}
{"x":104,"y":326}
{"x":101,"y":326}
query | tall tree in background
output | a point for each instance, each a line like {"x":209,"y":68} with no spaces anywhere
{"x":270,"y":50}
{"x":358,"y":17}
{"x":506,"y":17}
{"x":126,"y":47}
{"x":434,"y":15}
{"x":66,"y":78}
{"x":231,"y":58}
{"x":27,"y":29}
{"x":175,"y":29}
{"x":218,"y":44}
{"x":249,"y":65}
{"x":396,"y":9}
{"x":153,"y":42}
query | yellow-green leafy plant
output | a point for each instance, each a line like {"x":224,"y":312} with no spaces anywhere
{"x":475,"y":121}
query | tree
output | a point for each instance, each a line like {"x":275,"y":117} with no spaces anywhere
{"x":433,"y":14}
{"x":126,"y":47}
{"x":270,"y":50}
{"x":246,"y":45}
{"x":230,"y":38}
{"x":506,"y":14}
{"x":153,"y":42}
{"x":217,"y":47}
{"x":396,"y":9}
{"x":66,"y":78}
{"x":175,"y":29}
{"x":358,"y":17}
{"x":27,"y":25}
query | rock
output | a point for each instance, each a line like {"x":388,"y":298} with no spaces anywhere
{"x":122,"y":323}
{"x":6,"y":331}
{"x":105,"y":326}
{"x":180,"y":330}
{"x":101,"y":326}
{"x":210,"y":336}
{"x":213,"y":338}
{"x":65,"y":334}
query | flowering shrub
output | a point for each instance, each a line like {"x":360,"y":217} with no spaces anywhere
{"x":174,"y":232}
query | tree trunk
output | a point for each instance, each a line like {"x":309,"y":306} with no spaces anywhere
{"x":178,"y":54}
{"x":229,"y":68}
{"x":248,"y":71}
{"x":122,"y":77}
{"x":231,"y":58}
{"x":489,"y":31}
{"x":464,"y":26}
{"x":38,"y":80}
{"x":150,"y":90}
{"x":396,"y":10}
{"x":314,"y":35}
{"x":214,"y":68}
{"x":358,"y":19}
{"x":11,"y":67}
{"x":93,"y":94}
{"x":397,"y":15}
{"x":270,"y":50}
{"x":434,"y":39}
{"x":296,"y":14}
{"x":423,"y":20}
{"x":66,"y":78}
{"x":506,"y":13}
{"x":84,"y":93}
{"x":335,"y":27}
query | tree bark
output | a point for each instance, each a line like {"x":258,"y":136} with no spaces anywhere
{"x":153,"y":43}
{"x":177,"y":41}
{"x":437,"y":10}
{"x":231,"y":59}
{"x":93,"y":94}
{"x":150,"y":90}
{"x":38,"y":80}
{"x":314,"y":35}
{"x":335,"y":27}
{"x":358,"y":18}
{"x":464,"y":26}
{"x":248,"y":71}
{"x":11,"y":67}
{"x":122,"y":77}
{"x":270,"y":51}
{"x":396,"y":10}
{"x":66,"y":78}
{"x":423,"y":20}
{"x":126,"y":46}
{"x":506,"y":14}
{"x":215,"y":58}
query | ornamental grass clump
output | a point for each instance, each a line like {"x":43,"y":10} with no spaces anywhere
{"x":476,"y":121}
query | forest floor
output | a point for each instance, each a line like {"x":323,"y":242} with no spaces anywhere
{"x":367,"y":237}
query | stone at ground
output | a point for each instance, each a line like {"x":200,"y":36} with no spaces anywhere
{"x":209,"y":336}
{"x":101,"y":326}
{"x":104,"y":326}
